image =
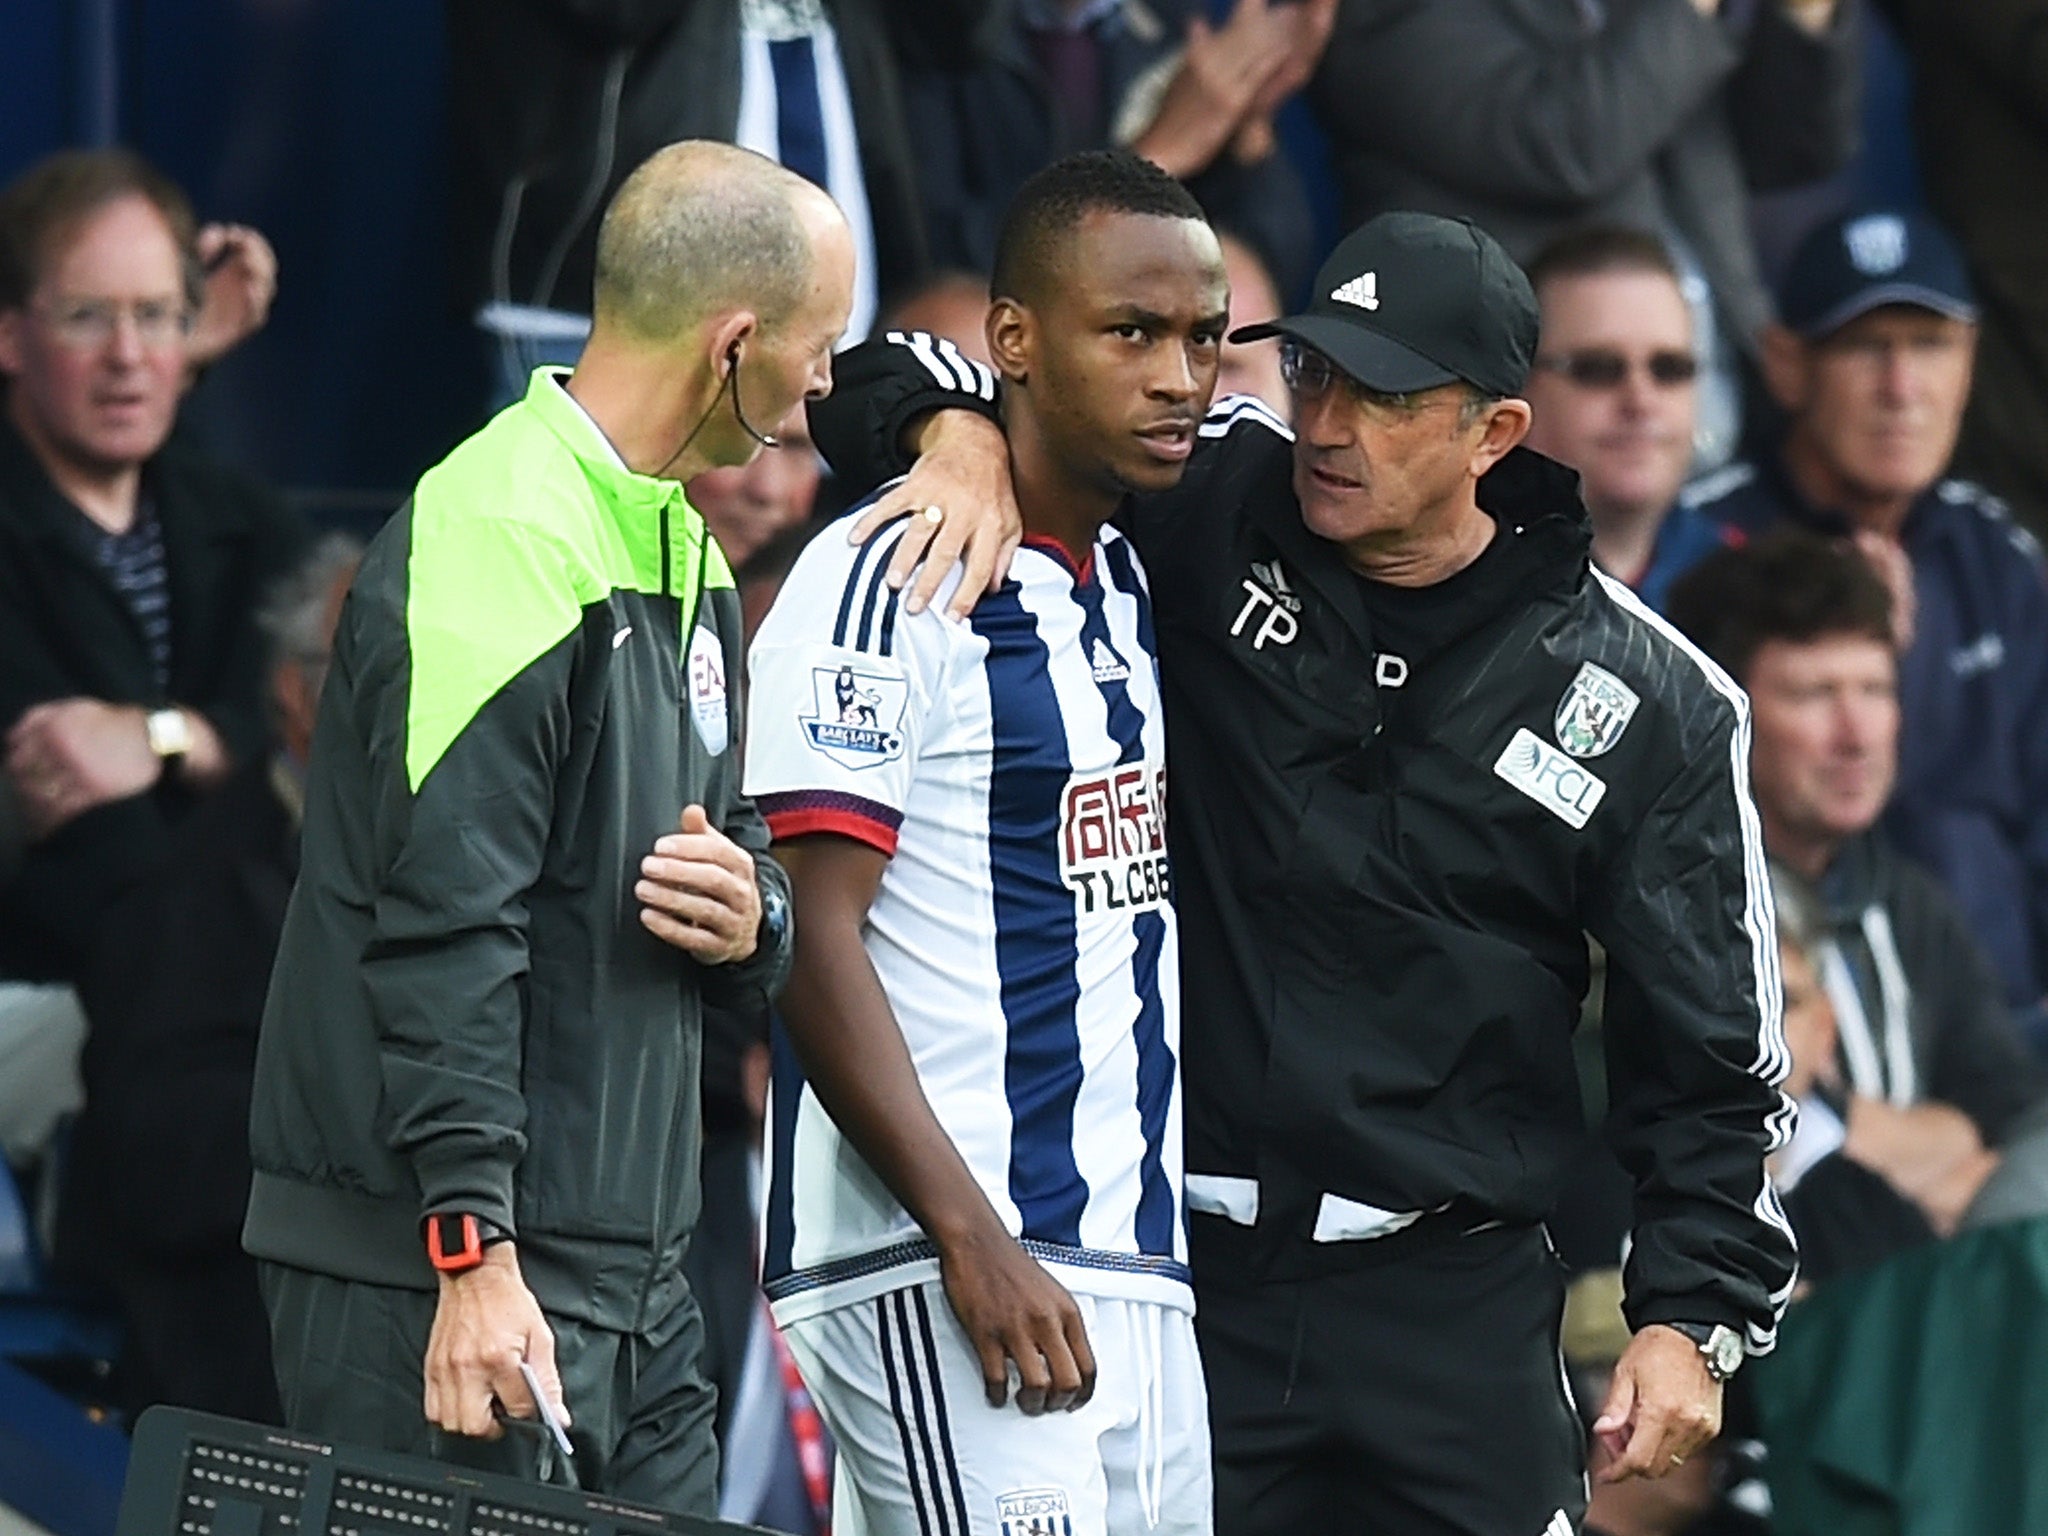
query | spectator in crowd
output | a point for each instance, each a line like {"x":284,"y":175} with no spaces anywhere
{"x":1932,"y":1075}
{"x":951,"y":304}
{"x":1980,"y":99}
{"x":1154,"y":76}
{"x":1535,"y":115}
{"x":240,"y":282}
{"x":1251,"y":367}
{"x":554,"y":101}
{"x":157,"y":1180}
{"x":1873,"y":366}
{"x":747,"y":505}
{"x":1614,"y":393}
{"x":130,"y":665}
{"x":1846,"y":1213}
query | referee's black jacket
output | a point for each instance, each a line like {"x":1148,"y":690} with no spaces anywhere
{"x":1384,"y":891}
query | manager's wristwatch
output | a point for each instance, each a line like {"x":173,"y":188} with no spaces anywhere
{"x":456,"y":1240}
{"x":1719,"y":1345}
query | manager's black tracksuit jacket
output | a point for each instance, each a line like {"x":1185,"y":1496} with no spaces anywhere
{"x":1394,"y":820}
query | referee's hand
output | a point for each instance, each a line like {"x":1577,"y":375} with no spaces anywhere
{"x":1016,"y":1313}
{"x":485,"y":1324}
{"x":697,"y":891}
{"x":1662,"y":1407}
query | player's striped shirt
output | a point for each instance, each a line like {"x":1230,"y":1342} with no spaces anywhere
{"x":1013,"y":768}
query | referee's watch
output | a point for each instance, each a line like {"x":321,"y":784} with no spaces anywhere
{"x":774,"y":924}
{"x":456,"y":1240}
{"x":1719,"y":1345}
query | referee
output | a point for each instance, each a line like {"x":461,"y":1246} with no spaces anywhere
{"x":1419,"y":749}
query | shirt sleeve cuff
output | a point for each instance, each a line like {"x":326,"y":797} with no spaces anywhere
{"x":804,"y":812}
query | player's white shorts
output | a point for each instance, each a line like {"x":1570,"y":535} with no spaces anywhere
{"x":921,"y":1453}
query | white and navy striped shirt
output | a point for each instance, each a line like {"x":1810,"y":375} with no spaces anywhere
{"x":1014,"y":770}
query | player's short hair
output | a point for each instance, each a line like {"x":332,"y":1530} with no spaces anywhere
{"x":1051,"y":204}
{"x":42,"y":208}
{"x":698,"y":228}
{"x":1790,"y":585}
{"x":1593,"y":250}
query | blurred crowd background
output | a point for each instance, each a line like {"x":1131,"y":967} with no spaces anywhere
{"x":1792,"y":260}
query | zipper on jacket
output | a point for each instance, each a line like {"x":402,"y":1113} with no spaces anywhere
{"x":664,"y":549}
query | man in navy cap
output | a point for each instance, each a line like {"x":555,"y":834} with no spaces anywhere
{"x":1420,"y":747}
{"x":1872,"y":363}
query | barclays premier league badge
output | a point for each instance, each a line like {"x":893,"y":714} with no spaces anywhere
{"x":1594,"y":712}
{"x":859,"y":716}
{"x":1035,"y":1512}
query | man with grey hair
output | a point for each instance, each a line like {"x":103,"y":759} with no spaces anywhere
{"x":528,"y":867}
{"x":157,"y":1174}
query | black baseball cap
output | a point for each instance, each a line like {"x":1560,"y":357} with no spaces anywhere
{"x":1865,"y":260}
{"x":1409,"y":301}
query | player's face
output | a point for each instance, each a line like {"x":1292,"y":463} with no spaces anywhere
{"x":1124,"y":351}
{"x":1826,"y":719}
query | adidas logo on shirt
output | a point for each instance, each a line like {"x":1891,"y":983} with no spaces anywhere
{"x":1109,"y":667}
{"x":1270,"y":573}
{"x":1362,"y":292}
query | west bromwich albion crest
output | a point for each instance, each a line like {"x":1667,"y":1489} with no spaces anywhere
{"x":1594,"y":711}
{"x":1035,"y":1512}
{"x":858,"y":717}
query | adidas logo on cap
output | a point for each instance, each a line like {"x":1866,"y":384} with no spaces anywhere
{"x":1362,"y":291}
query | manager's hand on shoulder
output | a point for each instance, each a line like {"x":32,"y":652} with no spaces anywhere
{"x":697,"y":891}
{"x":963,"y":511}
{"x":487,"y":1322}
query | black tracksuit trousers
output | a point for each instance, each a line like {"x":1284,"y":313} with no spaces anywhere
{"x":1415,"y":1391}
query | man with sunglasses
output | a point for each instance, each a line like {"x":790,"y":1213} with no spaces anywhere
{"x":1418,"y":749}
{"x":1615,"y":395}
